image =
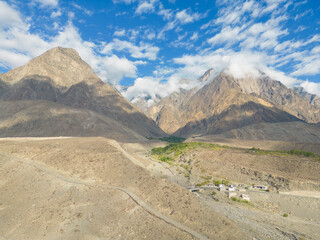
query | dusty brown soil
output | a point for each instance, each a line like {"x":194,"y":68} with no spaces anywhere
{"x":263,"y":144}
{"x":280,"y":172}
{"x":87,"y":188}
{"x":263,"y":217}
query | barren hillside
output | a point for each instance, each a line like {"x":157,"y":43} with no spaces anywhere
{"x":85,"y":188}
{"x":61,"y":76}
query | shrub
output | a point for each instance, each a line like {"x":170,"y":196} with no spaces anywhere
{"x":226,"y":182}
{"x":285,"y":215}
{"x":203,"y":183}
{"x":217,"y":182}
{"x":165,"y":159}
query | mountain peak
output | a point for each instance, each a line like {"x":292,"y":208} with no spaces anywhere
{"x":70,"y":52}
{"x":206,"y":75}
{"x":63,"y":66}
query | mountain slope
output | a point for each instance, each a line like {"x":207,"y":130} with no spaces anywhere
{"x":279,"y":95}
{"x":311,"y":98}
{"x":225,"y":104}
{"x":44,"y":118}
{"x":61,"y":77}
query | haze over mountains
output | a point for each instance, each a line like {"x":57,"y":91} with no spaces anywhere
{"x":58,"y":94}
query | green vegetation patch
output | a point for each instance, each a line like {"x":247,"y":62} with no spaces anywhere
{"x":294,"y":152}
{"x":174,"y":150}
{"x":203,"y":183}
{"x":179,"y":148}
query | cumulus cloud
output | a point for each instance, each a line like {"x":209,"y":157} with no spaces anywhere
{"x":311,"y":87}
{"x":9,"y":17}
{"x":238,"y":64}
{"x":154,"y":88}
{"x":146,"y":7}
{"x":144,"y":50}
{"x":120,"y":33}
{"x":184,"y":17}
{"x":18,"y":46}
{"x":115,"y":68}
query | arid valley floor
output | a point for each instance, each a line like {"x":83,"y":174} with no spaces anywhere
{"x":97,"y":188}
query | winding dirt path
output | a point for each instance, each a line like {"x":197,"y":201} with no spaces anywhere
{"x":66,"y":178}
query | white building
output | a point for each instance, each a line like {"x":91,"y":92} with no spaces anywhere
{"x":222,"y":187}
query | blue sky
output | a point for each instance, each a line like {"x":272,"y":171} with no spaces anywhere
{"x":150,"y":45}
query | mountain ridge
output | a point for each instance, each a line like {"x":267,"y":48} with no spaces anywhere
{"x":60,"y":76}
{"x":225,"y":100}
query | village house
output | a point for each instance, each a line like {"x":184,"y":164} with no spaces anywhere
{"x":222,"y":187}
{"x":245,"y":197}
{"x":231,"y":189}
{"x":261,"y":187}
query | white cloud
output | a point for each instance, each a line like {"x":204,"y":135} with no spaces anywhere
{"x":238,"y":64}
{"x":12,"y":59}
{"x":155,"y":88}
{"x":9,"y":17}
{"x":18,"y":46}
{"x":227,"y":35}
{"x":115,"y":68}
{"x":84,"y":10}
{"x":311,"y":87}
{"x":151,"y":35}
{"x":194,"y":36}
{"x":166,"y":13}
{"x":146,"y":7}
{"x":55,"y":14}
{"x":123,"y":1}
{"x":183,"y":17}
{"x":47,"y":3}
{"x":308,"y":66}
{"x":71,"y":15}
{"x":162,"y":72}
{"x":144,"y":50}
{"x":120,"y":33}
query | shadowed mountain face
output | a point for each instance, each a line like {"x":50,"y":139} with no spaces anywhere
{"x":236,"y":116}
{"x":76,"y":90}
{"x":225,"y":104}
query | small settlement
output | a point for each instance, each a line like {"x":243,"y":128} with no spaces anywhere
{"x":230,"y":190}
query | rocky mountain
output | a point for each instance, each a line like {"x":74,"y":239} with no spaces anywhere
{"x":69,"y":94}
{"x":311,"y":98}
{"x":282,"y":97}
{"x":225,"y":104}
